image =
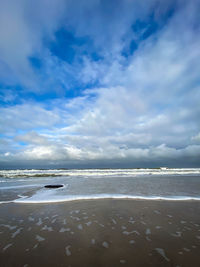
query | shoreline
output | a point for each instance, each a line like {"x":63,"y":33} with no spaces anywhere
{"x":32,"y":199}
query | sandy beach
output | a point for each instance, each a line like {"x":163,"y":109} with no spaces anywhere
{"x":101,"y":233}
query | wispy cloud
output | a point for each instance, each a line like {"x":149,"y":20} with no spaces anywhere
{"x":23,"y":25}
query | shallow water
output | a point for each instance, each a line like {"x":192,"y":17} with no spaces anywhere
{"x":27,"y":186}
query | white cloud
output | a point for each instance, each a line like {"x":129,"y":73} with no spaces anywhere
{"x":28,"y":116}
{"x":146,"y":110}
{"x":32,"y":138}
{"x":57,"y":155}
{"x":196,"y":138}
{"x":23,"y":25}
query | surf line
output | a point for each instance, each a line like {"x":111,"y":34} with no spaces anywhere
{"x":34,"y":200}
{"x":13,"y":201}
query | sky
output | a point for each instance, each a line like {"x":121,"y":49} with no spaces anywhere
{"x":99,"y":84}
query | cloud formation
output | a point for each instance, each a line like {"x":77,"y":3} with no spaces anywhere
{"x":130,"y":96}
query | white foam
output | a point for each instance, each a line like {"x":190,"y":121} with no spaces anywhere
{"x":157,"y":211}
{"x":93,"y":241}
{"x":75,"y":218}
{"x":98,"y":172}
{"x":187,"y":249}
{"x":53,"y":198}
{"x":88,"y":223}
{"x":19,"y":186}
{"x":77,"y":211}
{"x":74,"y":211}
{"x":105,"y":244}
{"x":46,"y":228}
{"x":31,"y":219}
{"x":170,"y":216}
{"x":162,"y":253}
{"x":62,"y":230}
{"x":6,"y":247}
{"x":16,"y":232}
{"x":80,"y":227}
{"x":178,"y":234}
{"x":132,"y":232}
{"x":10,"y":227}
{"x":148,"y":231}
{"x":39,"y":221}
{"x":12,"y":201}
{"x":36,"y":245}
{"x":39,"y":238}
{"x":67,"y":251}
{"x":6,"y":201}
{"x":113,"y":220}
{"x":158,"y":227}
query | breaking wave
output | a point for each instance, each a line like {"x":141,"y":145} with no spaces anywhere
{"x":97,"y":172}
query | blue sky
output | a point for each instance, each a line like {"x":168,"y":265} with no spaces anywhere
{"x":99,"y":83}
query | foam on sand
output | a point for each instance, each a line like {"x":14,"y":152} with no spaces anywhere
{"x":6,"y":247}
{"x":16,"y":233}
{"x":53,"y":198}
{"x":162,"y":253}
{"x":105,"y":244}
{"x":67,"y":251}
{"x":39,"y":238}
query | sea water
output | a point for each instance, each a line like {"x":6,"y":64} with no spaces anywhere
{"x":27,"y":186}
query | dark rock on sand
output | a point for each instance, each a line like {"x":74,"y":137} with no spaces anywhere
{"x":53,"y":186}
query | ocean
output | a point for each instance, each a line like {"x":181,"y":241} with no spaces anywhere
{"x":100,"y":217}
{"x":28,"y":186}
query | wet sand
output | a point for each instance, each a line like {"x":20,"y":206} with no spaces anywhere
{"x":100,"y":233}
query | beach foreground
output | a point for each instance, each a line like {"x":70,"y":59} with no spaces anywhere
{"x":100,"y":233}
